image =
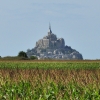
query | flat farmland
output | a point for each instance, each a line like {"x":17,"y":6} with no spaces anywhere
{"x":51,"y":64}
{"x":50,"y":80}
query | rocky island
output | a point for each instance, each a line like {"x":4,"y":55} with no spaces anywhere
{"x":51,"y":47}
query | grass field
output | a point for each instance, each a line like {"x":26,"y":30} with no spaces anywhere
{"x":49,"y":80}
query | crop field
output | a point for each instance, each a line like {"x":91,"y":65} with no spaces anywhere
{"x":49,"y":80}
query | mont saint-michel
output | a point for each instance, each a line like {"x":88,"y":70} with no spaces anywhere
{"x":51,"y":47}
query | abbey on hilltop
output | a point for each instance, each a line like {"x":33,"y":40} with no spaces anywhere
{"x":50,"y":41}
{"x":54,"y":48}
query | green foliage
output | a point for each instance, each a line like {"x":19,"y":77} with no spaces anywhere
{"x":33,"y":57}
{"x":50,"y":65}
{"x":24,"y":90}
{"x":22,"y":54}
{"x":47,"y":90}
{"x":11,"y":58}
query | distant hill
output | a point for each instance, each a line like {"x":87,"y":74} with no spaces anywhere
{"x":53,"y":48}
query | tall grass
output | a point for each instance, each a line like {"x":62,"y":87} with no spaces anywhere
{"x":49,"y":65}
{"x":48,"y":91}
{"x":60,"y":81}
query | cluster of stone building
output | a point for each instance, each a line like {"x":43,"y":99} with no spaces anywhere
{"x":51,"y":47}
{"x":59,"y":55}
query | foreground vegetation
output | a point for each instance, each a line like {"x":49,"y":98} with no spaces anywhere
{"x":29,"y":64}
{"x":22,"y":80}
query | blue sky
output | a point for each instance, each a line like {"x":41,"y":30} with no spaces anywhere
{"x":23,"y":22}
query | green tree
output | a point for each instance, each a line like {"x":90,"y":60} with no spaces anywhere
{"x":22,"y":54}
{"x":33,"y":57}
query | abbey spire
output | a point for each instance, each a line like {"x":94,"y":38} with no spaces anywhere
{"x":51,"y":47}
{"x":50,"y":29}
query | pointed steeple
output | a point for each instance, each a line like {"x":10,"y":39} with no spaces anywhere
{"x":50,"y":28}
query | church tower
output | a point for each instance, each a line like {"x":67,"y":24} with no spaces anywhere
{"x":49,"y":33}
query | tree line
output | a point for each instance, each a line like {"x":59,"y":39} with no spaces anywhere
{"x":21,"y":56}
